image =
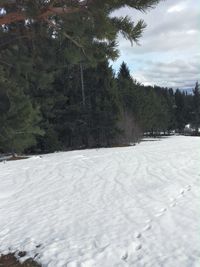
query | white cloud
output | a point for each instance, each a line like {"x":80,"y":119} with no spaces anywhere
{"x":177,"y":8}
{"x":176,"y":74}
{"x":172,"y":39}
{"x":192,"y":32}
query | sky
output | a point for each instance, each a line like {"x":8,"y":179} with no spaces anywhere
{"x":169,"y":50}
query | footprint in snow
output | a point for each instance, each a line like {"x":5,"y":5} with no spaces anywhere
{"x":181,"y":194}
{"x":131,"y":249}
{"x":173,"y":204}
{"x":161,"y":212}
{"x":147,"y":227}
{"x":182,"y":191}
{"x":125,"y":256}
{"x":138,"y":235}
{"x":138,"y":247}
{"x":188,"y":187}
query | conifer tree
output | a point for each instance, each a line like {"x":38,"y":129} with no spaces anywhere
{"x":103,"y":104}
{"x":19,"y":118}
{"x":180,"y":110}
{"x":127,"y":88}
{"x":196,"y":107}
{"x":85,"y":24}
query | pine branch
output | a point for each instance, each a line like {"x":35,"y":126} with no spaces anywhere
{"x":128,"y":28}
{"x":66,"y":35}
{"x":22,"y":16}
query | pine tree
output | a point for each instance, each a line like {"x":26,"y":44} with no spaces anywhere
{"x":87,"y":25}
{"x":180,"y":111}
{"x":19,"y":118}
{"x":129,"y":105}
{"x":103,"y":104}
{"x":126,"y":88}
{"x":196,"y":107}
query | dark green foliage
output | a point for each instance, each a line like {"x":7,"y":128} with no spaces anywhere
{"x":89,"y":26}
{"x":103,"y":105}
{"x":19,"y":119}
{"x":196,"y":108}
{"x":184,"y":110}
{"x":42,"y":107}
{"x":127,"y":90}
{"x":180,"y":110}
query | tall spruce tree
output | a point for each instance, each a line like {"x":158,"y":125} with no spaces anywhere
{"x":127,"y":88}
{"x":196,"y":107}
{"x":103,"y":105}
{"x":180,"y":110}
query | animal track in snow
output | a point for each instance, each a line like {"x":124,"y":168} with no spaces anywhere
{"x":138,"y":247}
{"x":182,"y":191}
{"x":173,"y":204}
{"x":138,"y":235}
{"x":125,"y":256}
{"x":163,"y":210}
{"x":133,"y":247}
{"x":188,"y":187}
{"x":147,"y":227}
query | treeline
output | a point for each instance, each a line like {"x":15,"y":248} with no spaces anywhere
{"x":57,"y":90}
{"x":45,"y":107}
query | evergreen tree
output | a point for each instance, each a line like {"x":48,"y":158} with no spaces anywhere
{"x":127,"y":88}
{"x":19,"y":118}
{"x":180,"y":111}
{"x":87,"y":25}
{"x":103,"y":105}
{"x":196,"y":107}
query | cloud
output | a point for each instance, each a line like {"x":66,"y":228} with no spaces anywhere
{"x":169,"y":46}
{"x":175,"y":74}
{"x":177,"y":8}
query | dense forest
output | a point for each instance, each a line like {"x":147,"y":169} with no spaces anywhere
{"x":58,"y":90}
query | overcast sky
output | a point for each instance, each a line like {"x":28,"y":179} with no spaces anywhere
{"x":169,"y":51}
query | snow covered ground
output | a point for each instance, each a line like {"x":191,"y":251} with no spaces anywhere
{"x":116,"y":207}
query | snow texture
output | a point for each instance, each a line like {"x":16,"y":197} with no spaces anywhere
{"x":117,"y":207}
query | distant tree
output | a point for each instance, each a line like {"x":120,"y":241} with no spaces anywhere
{"x":127,"y":88}
{"x":180,"y":110}
{"x":124,"y":72}
{"x":196,"y":107}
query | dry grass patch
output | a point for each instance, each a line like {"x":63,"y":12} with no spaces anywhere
{"x":10,"y":260}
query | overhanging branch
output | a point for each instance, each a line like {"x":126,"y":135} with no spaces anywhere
{"x":22,"y":16}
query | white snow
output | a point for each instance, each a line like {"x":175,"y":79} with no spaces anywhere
{"x":116,"y":207}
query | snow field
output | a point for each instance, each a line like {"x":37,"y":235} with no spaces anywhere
{"x":117,"y":207}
